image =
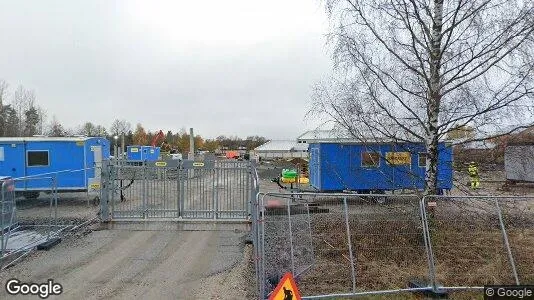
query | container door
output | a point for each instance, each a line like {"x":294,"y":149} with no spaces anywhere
{"x":13,"y":162}
{"x":399,"y":159}
{"x":94,"y":183}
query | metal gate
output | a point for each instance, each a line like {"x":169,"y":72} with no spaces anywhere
{"x":187,"y":190}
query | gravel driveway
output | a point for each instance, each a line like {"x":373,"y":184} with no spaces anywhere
{"x":151,"y":263}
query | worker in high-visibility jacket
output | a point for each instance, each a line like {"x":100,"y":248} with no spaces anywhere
{"x":472,"y":170}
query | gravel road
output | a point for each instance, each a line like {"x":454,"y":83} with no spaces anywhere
{"x":151,"y":263}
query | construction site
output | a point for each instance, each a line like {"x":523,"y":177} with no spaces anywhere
{"x":212,"y":227}
{"x":281,"y":150}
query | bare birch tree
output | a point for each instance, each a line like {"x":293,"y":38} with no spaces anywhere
{"x":23,"y":100}
{"x":55,"y":128}
{"x":41,"y":125}
{"x":120,"y":127}
{"x":417,"y":69}
{"x":3,"y":99}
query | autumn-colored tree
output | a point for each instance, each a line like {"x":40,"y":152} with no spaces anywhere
{"x":211,"y":145}
{"x":140,"y":136}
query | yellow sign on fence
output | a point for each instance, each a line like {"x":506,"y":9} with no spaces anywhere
{"x":161,"y":164}
{"x":198,"y":164}
{"x":398,"y":158}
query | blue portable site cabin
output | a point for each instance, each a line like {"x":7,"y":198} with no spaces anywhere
{"x":142,"y":153}
{"x":375,"y":167}
{"x":71,"y":160}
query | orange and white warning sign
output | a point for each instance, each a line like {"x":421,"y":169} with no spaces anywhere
{"x":286,"y":289}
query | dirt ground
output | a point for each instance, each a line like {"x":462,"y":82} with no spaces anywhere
{"x":154,"y":263}
{"x":72,"y":209}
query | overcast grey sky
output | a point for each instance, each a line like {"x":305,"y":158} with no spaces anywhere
{"x":222,"y":67}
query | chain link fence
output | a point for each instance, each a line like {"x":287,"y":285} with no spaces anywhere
{"x":340,"y":245}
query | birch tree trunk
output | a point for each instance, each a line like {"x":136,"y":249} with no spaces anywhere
{"x":434,"y":100}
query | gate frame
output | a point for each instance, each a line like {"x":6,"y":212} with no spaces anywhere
{"x":245,"y":169}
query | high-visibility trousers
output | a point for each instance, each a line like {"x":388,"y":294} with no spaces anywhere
{"x":475,"y":182}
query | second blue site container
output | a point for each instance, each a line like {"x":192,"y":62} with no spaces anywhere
{"x":375,"y":167}
{"x":142,"y":153}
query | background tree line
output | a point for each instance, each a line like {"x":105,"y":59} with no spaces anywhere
{"x":20,"y":115}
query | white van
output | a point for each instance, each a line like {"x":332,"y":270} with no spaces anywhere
{"x":177,"y":156}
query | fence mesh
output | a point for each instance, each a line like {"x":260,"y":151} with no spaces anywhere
{"x":343,"y":243}
{"x":347,"y":244}
{"x":187,"y":190}
{"x":34,"y":213}
{"x":518,"y":214}
{"x":467,"y":242}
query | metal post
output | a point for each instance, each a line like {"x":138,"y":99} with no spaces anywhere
{"x":3,"y":246}
{"x":310,"y":230}
{"x":428,"y":244}
{"x":506,"y":243}
{"x":144,"y":191}
{"x":262,"y":248}
{"x":353,"y":271}
{"x":122,"y":146}
{"x":55,"y":200}
{"x":290,"y":235}
{"x":50,"y":209}
{"x":191,"y":145}
{"x":181,"y":178}
{"x":104,"y":192}
{"x":252,"y":191}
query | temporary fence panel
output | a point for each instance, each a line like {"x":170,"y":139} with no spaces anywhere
{"x":29,"y":225}
{"x":343,"y":245}
{"x":8,"y":212}
{"x":340,"y":243}
{"x":481,"y":240}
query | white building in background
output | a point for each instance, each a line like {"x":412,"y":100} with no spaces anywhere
{"x":299,"y":146}
{"x":281,"y":149}
{"x":324,"y":136}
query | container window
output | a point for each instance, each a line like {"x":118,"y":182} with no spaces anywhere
{"x":370,"y":159}
{"x":1,"y":153}
{"x":422,"y":159}
{"x":37,"y":158}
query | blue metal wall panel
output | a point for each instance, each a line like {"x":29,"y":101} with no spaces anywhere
{"x":336,"y":167}
{"x":151,"y":153}
{"x":90,"y":158}
{"x":142,"y":153}
{"x":62,"y":156}
{"x":314,"y":168}
{"x":134,"y":153}
{"x":13,"y":163}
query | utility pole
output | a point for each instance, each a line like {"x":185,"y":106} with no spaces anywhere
{"x":122,"y":145}
{"x":191,"y":145}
